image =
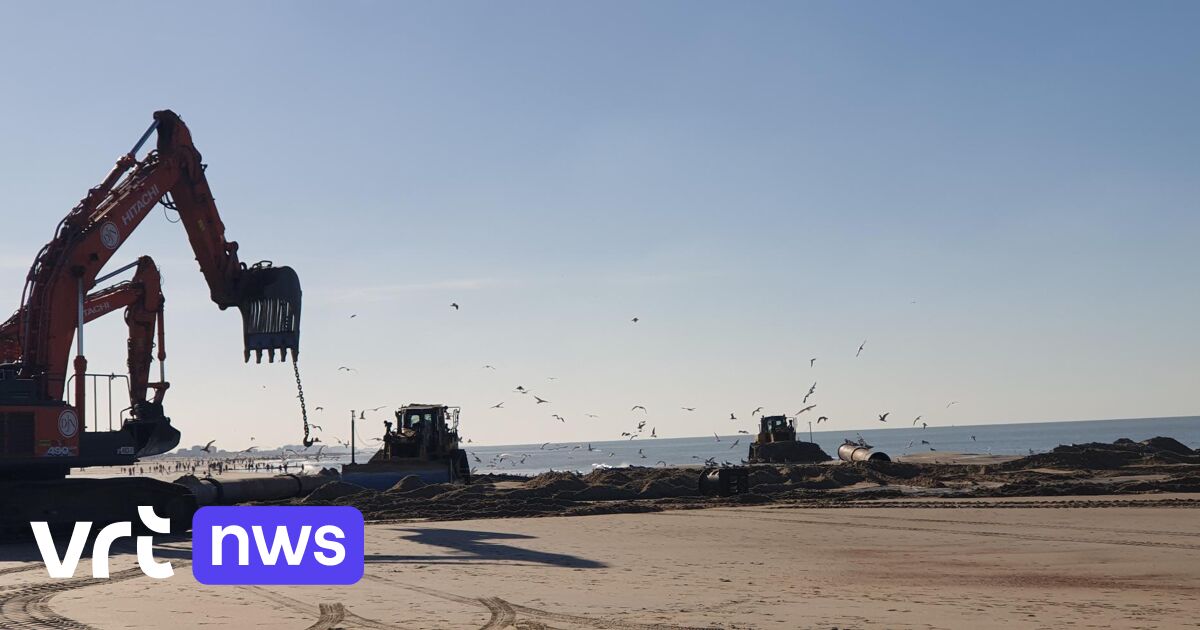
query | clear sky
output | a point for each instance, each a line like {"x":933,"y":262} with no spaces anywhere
{"x":1002,"y":200}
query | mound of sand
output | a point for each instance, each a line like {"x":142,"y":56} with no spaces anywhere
{"x":334,"y":490}
{"x":1156,"y":465}
{"x":407,"y":484}
{"x":1100,"y":456}
{"x":1170,"y":445}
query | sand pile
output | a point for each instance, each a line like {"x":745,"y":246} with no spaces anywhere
{"x":1155,"y":465}
{"x":407,"y":484}
{"x":1101,"y":456}
{"x":332,"y":491}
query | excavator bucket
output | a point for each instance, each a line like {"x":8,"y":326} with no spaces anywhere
{"x":270,"y":305}
{"x":151,"y":429}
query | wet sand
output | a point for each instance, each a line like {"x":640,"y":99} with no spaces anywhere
{"x":1129,"y":562}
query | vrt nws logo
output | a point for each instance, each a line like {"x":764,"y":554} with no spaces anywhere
{"x":68,"y":423}
{"x":110,"y":235}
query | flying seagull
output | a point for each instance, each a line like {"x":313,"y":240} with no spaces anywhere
{"x":636,"y":407}
{"x":717,"y":436}
{"x":822,"y":419}
{"x":916,"y":420}
{"x":883,"y":416}
{"x":805,"y":409}
{"x":498,"y":405}
{"x":346,"y":369}
{"x":952,"y":402}
{"x":488,"y":367}
{"x":634,"y":320}
{"x":735,"y":443}
{"x":454,"y":305}
{"x":860,"y":348}
{"x":732,"y":417}
{"x":558,"y":417}
{"x":208,"y":447}
{"x":688,"y":408}
{"x":540,"y":400}
{"x":810,"y":393}
{"x":812,"y":361}
{"x":756,"y":412}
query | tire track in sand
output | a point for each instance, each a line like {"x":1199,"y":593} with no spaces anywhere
{"x":306,"y":608}
{"x":961,"y":532}
{"x":503,"y":615}
{"x":331,"y":616}
{"x":1104,"y":530}
{"x":499,"y":608}
{"x":28,"y":607}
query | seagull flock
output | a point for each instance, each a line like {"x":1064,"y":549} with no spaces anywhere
{"x":639,"y":430}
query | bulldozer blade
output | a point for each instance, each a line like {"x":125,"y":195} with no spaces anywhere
{"x":270,"y":305}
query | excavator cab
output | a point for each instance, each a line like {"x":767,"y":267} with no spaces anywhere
{"x":269,"y":299}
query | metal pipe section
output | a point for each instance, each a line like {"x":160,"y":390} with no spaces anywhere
{"x":724,"y":482}
{"x":850,"y":452}
{"x":209,"y":491}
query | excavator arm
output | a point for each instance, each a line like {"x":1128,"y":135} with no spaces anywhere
{"x":66,"y":268}
{"x":143,"y":301}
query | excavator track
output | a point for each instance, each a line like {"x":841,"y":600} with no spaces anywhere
{"x":99,"y":501}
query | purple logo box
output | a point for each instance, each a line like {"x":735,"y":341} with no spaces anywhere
{"x":277,"y":545}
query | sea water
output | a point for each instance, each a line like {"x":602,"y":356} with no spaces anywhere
{"x":995,"y":439}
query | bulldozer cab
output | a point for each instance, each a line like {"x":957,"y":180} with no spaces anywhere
{"x":776,"y":429}
{"x":422,"y":430}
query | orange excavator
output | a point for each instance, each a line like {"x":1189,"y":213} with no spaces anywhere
{"x":42,"y":436}
{"x":143,"y":301}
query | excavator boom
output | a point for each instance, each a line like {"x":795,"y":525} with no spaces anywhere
{"x":41,"y":436}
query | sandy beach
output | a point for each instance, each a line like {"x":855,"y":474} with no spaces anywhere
{"x":1087,"y":562}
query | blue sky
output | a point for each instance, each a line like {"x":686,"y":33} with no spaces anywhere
{"x":760,"y":184}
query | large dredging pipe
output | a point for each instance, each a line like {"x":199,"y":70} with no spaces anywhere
{"x":209,"y":491}
{"x":851,"y":452}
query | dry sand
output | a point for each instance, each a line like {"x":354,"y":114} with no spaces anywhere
{"x":1088,"y":536}
{"x":1113,"y":562}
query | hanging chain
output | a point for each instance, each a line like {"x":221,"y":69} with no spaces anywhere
{"x":303,"y":409}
